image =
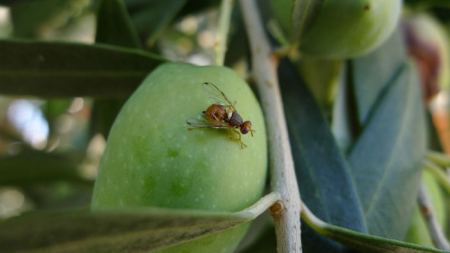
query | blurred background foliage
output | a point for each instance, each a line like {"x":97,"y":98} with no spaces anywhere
{"x":50,"y":146}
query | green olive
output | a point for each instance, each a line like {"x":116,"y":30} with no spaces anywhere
{"x":152,"y":159}
{"x":342,"y":29}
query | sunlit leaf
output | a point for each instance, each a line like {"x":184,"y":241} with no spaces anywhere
{"x":387,"y":157}
{"x":372,"y":74}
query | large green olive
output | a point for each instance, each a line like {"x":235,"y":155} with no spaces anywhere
{"x":153,"y":160}
{"x":342,"y":28}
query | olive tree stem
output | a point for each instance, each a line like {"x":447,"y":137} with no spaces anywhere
{"x":439,"y":174}
{"x":220,"y":46}
{"x":286,"y":212}
{"x":426,"y":208}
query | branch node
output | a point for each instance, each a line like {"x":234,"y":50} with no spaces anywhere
{"x":276,"y":210}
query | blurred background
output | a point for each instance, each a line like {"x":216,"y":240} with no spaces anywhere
{"x":50,"y":147}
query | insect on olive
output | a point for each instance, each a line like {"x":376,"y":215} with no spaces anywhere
{"x":222,"y":114}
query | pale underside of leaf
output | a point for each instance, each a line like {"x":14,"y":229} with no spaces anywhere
{"x":138,"y":230}
{"x":387,"y":156}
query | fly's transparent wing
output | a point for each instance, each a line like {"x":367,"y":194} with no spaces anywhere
{"x":217,"y":95}
{"x":201,"y":123}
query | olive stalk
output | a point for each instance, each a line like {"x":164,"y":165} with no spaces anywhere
{"x":426,"y":209}
{"x":439,"y":174}
{"x":438,"y":158}
{"x":220,"y":47}
{"x":286,"y":213}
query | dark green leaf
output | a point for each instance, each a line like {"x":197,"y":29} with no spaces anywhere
{"x":137,"y":230}
{"x":360,"y":241}
{"x":324,"y":176}
{"x":114,"y":25}
{"x":58,"y":195}
{"x":71,"y":69}
{"x":31,"y":167}
{"x":237,"y":43}
{"x":429,"y":3}
{"x":264,"y":243}
{"x":387,"y":157}
{"x":104,"y":112}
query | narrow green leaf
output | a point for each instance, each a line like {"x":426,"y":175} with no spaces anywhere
{"x":360,"y":241}
{"x":137,"y":230}
{"x":71,"y":69}
{"x":31,"y":167}
{"x":374,"y":72}
{"x":344,"y":124}
{"x":387,"y":157}
{"x":323,"y":174}
{"x":114,"y":25}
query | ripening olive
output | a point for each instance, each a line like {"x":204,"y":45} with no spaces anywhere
{"x":153,"y":160}
{"x":341,"y":29}
{"x":427,"y":43}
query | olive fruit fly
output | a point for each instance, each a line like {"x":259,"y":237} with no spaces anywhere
{"x":222,"y":114}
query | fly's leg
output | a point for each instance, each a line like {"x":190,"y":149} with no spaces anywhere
{"x":238,"y":137}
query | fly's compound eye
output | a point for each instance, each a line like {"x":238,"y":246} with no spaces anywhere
{"x":246,"y":127}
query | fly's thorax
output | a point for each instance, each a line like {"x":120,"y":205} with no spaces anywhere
{"x":235,"y":119}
